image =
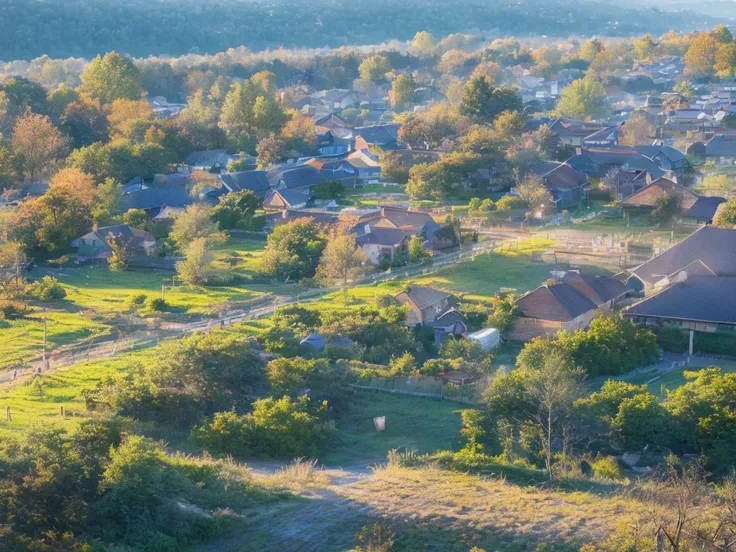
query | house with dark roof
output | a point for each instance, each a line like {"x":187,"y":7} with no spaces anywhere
{"x":411,"y":222}
{"x":382,"y":245}
{"x":384,"y":136}
{"x":574,"y":133}
{"x":255,"y":181}
{"x":211,"y":161}
{"x":721,"y":149}
{"x":604,"y":291}
{"x":294,"y":177}
{"x":698,"y":302}
{"x":286,"y":199}
{"x":289,"y":215}
{"x":566,"y":184}
{"x":596,"y":162}
{"x":708,"y":250}
{"x":667,"y":157}
{"x":549,"y":309}
{"x":97,"y":244}
{"x":703,"y":211}
{"x":153,"y":199}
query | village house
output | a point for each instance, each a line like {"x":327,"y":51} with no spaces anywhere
{"x":214,"y":161}
{"x":286,"y":199}
{"x":567,"y":304}
{"x":566,"y":184}
{"x":382,"y":245}
{"x":96,"y":246}
{"x":255,"y":181}
{"x":435,"y":309}
{"x":596,"y":162}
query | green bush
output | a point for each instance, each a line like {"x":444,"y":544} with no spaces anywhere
{"x":276,"y":428}
{"x":12,"y":310}
{"x":135,"y":301}
{"x":606,"y":467}
{"x":48,"y":289}
{"x":157,"y":304}
{"x":672,"y":339}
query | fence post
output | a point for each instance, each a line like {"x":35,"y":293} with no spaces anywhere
{"x":8,"y":415}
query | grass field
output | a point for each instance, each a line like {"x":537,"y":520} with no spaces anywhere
{"x":675,"y":379}
{"x":412,"y":423}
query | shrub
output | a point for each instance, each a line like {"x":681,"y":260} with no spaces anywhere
{"x":156,"y":304}
{"x":276,"y":428}
{"x":12,"y":310}
{"x":48,"y":289}
{"x":135,"y":301}
{"x":606,"y":467}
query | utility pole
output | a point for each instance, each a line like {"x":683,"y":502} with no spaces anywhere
{"x":163,"y":288}
{"x":45,"y":333}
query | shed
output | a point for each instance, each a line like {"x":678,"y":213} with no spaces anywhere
{"x":489,"y":338}
{"x":313,"y":342}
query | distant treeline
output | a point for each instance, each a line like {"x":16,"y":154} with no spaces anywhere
{"x":84,"y":28}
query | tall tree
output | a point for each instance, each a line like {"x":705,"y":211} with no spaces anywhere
{"x":293,"y":250}
{"x":483,"y":103}
{"x":342,"y":260}
{"x":39,"y":144}
{"x":111,"y":78}
{"x":701,"y":56}
{"x":584,"y":99}
{"x":402,"y":91}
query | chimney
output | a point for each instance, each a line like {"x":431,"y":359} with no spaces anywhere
{"x":94,"y":227}
{"x":367,"y":228}
{"x":578,"y":150}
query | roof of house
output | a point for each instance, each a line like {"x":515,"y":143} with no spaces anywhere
{"x":315,"y":340}
{"x":566,"y":128}
{"x":331,"y":121}
{"x":290,"y":197}
{"x":157,"y":197}
{"x":423,"y":296}
{"x":659,"y":189}
{"x":699,"y":298}
{"x":128,"y":234}
{"x":205,"y":158}
{"x":450,"y":317}
{"x":592,"y":159}
{"x":673,"y":154}
{"x":288,"y":215}
{"x":400,"y":217}
{"x":378,"y":134}
{"x":724,"y":145}
{"x":301,"y":176}
{"x":715,"y":247}
{"x":560,"y":175}
{"x":704,"y":208}
{"x":606,"y":134}
{"x":255,"y":181}
{"x":559,"y":302}
{"x":599,"y":289}
{"x":381,"y":236}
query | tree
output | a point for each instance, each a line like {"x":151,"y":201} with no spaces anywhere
{"x":108,"y":200}
{"x":236,"y":116}
{"x":591,"y":49}
{"x":684,"y":90}
{"x":130,"y":119}
{"x":270,"y":150}
{"x":726,"y":214}
{"x":374,"y":68}
{"x":402,"y":91}
{"x":584,"y":99}
{"x":644,"y":46}
{"x":666,"y":208}
{"x":85,"y":121}
{"x":636,"y":131}
{"x":122,"y":252}
{"x":483,"y":103}
{"x":423,"y":43}
{"x":195,"y":222}
{"x":39,"y":145}
{"x":268,"y":117}
{"x":110,"y":78}
{"x":196,"y":268}
{"x":417,"y":252}
{"x":532,"y":191}
{"x":8,"y":163}
{"x":293,"y":250}
{"x":342,"y":260}
{"x":701,"y":56}
{"x":329,"y":189}
{"x":236,"y":210}
{"x":266,"y":81}
{"x":137,"y":218}
{"x":300,"y":134}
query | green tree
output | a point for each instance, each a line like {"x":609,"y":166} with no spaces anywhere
{"x":293,"y":250}
{"x":108,"y":202}
{"x":374,"y":68}
{"x":483,"y":103}
{"x":700,"y":57}
{"x":402,"y":91}
{"x":726,"y":215}
{"x":236,"y":210}
{"x":38,"y":144}
{"x":329,"y":189}
{"x":642,"y":420}
{"x":270,"y":150}
{"x":423,"y":43}
{"x":584,"y":99}
{"x":195,"y":222}
{"x":111,"y":78}
{"x":197,"y":268}
{"x":417,"y":252}
{"x":342,"y":260}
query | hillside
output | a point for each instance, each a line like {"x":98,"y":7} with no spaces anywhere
{"x":82,"y":28}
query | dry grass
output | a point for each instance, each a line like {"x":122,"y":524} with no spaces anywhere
{"x":299,"y":475}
